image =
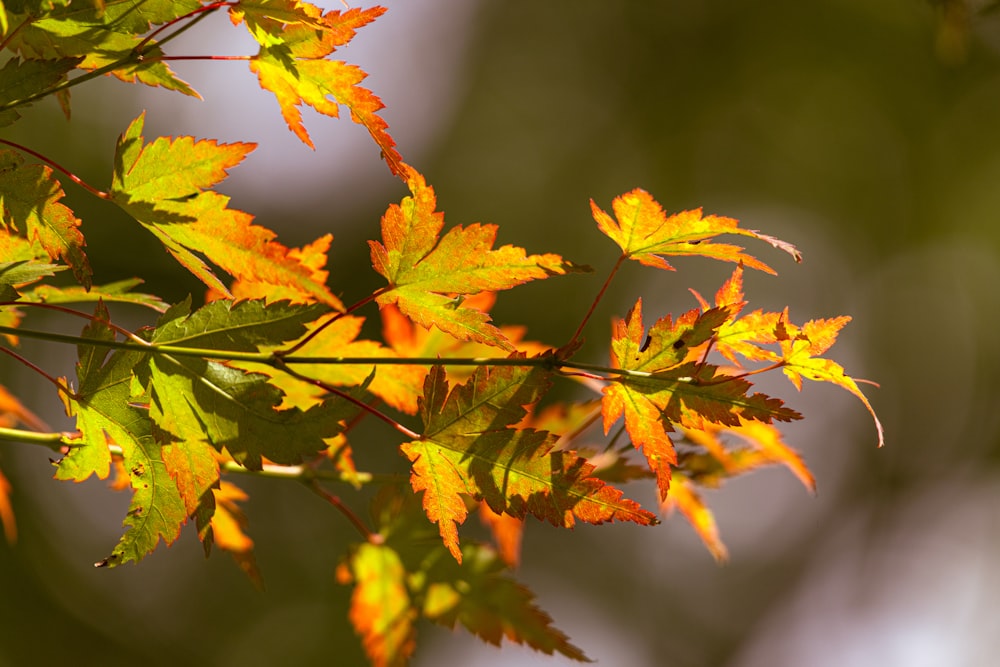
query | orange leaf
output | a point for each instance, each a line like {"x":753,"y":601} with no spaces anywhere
{"x":294,"y":69}
{"x":228,"y":525}
{"x":645,"y":233}
{"x":429,"y":277}
{"x":507,"y":533}
{"x":800,"y":350}
{"x":7,"y":511}
{"x":684,"y":497}
{"x":381,"y":610}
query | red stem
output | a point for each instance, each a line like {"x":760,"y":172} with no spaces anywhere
{"x":344,"y":509}
{"x":347,"y":397}
{"x":55,"y":165}
{"x":201,"y":10}
{"x":59,"y":385}
{"x":333,"y":318}
{"x":69,"y":311}
{"x":586,"y":318}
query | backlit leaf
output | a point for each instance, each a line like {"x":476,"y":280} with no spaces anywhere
{"x":670,"y":390}
{"x":29,"y":201}
{"x":469,"y":449}
{"x":427,"y":275}
{"x":645,"y":233}
{"x":162,"y":185}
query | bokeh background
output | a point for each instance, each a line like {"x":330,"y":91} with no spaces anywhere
{"x":863,"y":131}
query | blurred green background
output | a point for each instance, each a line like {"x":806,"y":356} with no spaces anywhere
{"x":862,"y":131}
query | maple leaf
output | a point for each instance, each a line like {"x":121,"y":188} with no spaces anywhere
{"x":492,"y":606}
{"x":476,"y":593}
{"x":29,"y":202}
{"x":119,"y":291}
{"x":745,"y":336}
{"x":428,"y":275}
{"x":20,"y":79}
{"x":766,"y":447}
{"x":800,"y":350}
{"x":292,"y":65}
{"x":667,"y":389}
{"x":162,"y":185}
{"x":468,"y":449}
{"x":507,"y":533}
{"x":685,"y":497}
{"x":73,"y":34}
{"x":196,"y":401}
{"x":381,"y":609}
{"x":645,"y":233}
{"x":106,"y":413}
{"x":398,"y":385}
{"x":227,"y":527}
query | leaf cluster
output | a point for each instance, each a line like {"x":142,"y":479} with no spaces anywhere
{"x":265,"y":373}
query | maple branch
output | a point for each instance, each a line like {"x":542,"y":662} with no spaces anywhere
{"x":597,"y":299}
{"x":10,"y":35}
{"x":343,"y":508}
{"x":326,"y":386}
{"x":59,"y":385}
{"x":58,"y":167}
{"x":204,"y":12}
{"x":326,"y":323}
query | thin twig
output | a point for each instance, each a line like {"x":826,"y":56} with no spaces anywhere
{"x":58,"y":167}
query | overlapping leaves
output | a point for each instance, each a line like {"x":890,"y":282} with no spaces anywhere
{"x":469,"y":448}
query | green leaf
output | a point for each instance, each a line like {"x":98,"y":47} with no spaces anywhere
{"x":490,"y":605}
{"x":29,"y":200}
{"x":106,"y":413}
{"x":469,"y":449}
{"x":241,"y":326}
{"x":22,"y":272}
{"x":119,"y":292}
{"x":404,"y":573}
{"x":162,"y":186}
{"x":70,"y":34}
{"x":21,"y":79}
{"x":170,"y":168}
{"x":193,"y":400}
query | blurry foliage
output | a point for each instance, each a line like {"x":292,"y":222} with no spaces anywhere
{"x":865,"y":129}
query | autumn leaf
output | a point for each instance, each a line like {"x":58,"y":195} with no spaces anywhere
{"x":684,"y":497}
{"x":765,"y":446}
{"x":227,"y":530}
{"x":428,"y":275}
{"x":397,"y":385}
{"x":800,"y":350}
{"x":163,"y":186}
{"x":29,"y":202}
{"x":468,"y":449}
{"x":745,"y":336}
{"x":665,"y":389}
{"x":381,"y":609}
{"x":422,"y":581}
{"x":507,"y":534}
{"x":645,"y":233}
{"x":292,"y":64}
